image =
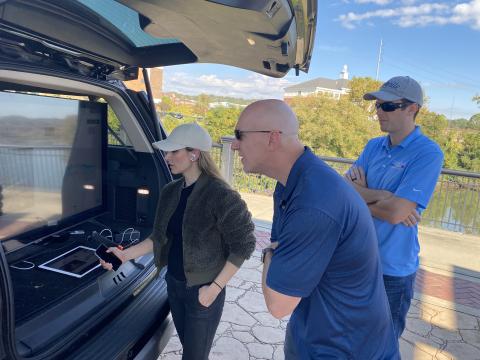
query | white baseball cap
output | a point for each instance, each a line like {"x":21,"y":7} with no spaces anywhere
{"x":399,"y":87}
{"x":189,"y":135}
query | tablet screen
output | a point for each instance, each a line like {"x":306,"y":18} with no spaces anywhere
{"x":76,"y":262}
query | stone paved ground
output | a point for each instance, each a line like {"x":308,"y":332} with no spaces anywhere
{"x":435,"y":330}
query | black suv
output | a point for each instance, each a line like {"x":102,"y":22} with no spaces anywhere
{"x":77,"y":168}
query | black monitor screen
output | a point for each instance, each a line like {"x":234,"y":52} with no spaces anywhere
{"x":52,"y":153}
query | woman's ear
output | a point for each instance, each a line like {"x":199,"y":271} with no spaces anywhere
{"x":194,"y":155}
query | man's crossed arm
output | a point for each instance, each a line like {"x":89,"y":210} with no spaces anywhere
{"x":383,"y":204}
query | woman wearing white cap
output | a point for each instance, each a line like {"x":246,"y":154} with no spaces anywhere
{"x":203,"y":232}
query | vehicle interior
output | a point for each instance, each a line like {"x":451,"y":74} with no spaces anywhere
{"x":71,"y":170}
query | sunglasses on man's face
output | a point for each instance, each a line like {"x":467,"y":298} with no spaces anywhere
{"x":239,"y":133}
{"x":389,"y":106}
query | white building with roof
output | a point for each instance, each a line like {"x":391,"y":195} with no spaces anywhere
{"x":335,"y":88}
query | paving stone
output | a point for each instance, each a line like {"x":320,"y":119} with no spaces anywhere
{"x":233,"y":294}
{"x":234,"y":282}
{"x":471,"y":337}
{"x":266,"y":319}
{"x":268,"y":335}
{"x":243,"y":336}
{"x":235,"y":314}
{"x":240,"y":327}
{"x":278,"y":354}
{"x":222,"y":327}
{"x":173,"y":345}
{"x":253,"y":302}
{"x":170,"y":357}
{"x":247,"y":285}
{"x":252,"y":263}
{"x":260,"y":351}
{"x":466,"y":322}
{"x":413,"y":311}
{"x":418,"y":326}
{"x":446,"y":334}
{"x":409,"y":351}
{"x":461,"y":351}
{"x":229,"y":348}
{"x":249,"y":275}
{"x":422,"y":343}
{"x":454,"y":320}
{"x":283,"y":324}
{"x":429,"y":310}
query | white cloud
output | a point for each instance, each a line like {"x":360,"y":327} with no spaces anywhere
{"x":253,"y":86}
{"x":421,"y":15}
{"x":378,"y":2}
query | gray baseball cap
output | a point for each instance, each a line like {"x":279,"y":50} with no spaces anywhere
{"x":399,"y":87}
{"x":189,"y":135}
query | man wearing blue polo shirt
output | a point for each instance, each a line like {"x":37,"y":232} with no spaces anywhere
{"x":396,"y":176}
{"x":323,"y":266}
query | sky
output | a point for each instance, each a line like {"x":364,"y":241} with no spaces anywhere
{"x":435,"y":42}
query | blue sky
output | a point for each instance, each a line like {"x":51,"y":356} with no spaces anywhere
{"x":435,"y":42}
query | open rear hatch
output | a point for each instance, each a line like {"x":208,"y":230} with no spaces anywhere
{"x":268,"y":36}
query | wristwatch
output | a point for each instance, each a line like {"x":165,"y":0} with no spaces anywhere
{"x":265,"y":251}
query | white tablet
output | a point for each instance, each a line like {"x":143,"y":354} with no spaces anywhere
{"x":77,"y":262}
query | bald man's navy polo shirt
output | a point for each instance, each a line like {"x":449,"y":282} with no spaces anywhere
{"x":328,"y":256}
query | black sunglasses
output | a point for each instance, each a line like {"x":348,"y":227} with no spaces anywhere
{"x":391,"y":106}
{"x":239,"y":133}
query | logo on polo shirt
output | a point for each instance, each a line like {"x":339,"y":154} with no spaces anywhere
{"x":399,"y":165}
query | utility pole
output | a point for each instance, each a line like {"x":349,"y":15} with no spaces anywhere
{"x":379,"y":58}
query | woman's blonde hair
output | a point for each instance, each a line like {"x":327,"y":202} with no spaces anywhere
{"x":207,"y":166}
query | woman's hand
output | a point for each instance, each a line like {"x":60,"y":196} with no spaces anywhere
{"x":208,"y":293}
{"x":118,"y":253}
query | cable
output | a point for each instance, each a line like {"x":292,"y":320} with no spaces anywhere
{"x":30,"y":264}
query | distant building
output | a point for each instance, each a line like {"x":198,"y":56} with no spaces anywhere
{"x":225,"y":104}
{"x":156,"y":82}
{"x":335,"y":88}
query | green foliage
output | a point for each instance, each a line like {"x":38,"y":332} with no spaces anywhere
{"x":470,"y":156}
{"x":342,"y":127}
{"x":476,"y":99}
{"x":433,"y":125}
{"x":474,"y":122}
{"x":220,"y":121}
{"x":358,"y":87}
{"x":333,"y":127}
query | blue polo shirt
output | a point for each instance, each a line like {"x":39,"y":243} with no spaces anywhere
{"x":328,"y":256}
{"x":409,"y":170}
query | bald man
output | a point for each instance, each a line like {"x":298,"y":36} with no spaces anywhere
{"x":322,"y":266}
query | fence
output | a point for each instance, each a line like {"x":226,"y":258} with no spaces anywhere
{"x":455,"y":205}
{"x":39,"y":167}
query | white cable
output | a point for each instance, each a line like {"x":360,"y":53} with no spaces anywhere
{"x":108,"y":236}
{"x":30,"y":264}
{"x":131,"y":232}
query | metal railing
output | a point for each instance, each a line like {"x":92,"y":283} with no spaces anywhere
{"x":455,"y":204}
{"x":28,"y":167}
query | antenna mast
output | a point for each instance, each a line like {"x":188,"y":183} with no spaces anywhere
{"x":379,"y":58}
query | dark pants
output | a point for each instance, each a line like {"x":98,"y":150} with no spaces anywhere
{"x":289,"y":347}
{"x":196,"y":324}
{"x":399,"y":293}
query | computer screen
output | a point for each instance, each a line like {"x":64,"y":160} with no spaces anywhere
{"x":52,"y":159}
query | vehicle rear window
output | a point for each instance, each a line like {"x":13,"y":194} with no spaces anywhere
{"x":126,"y":21}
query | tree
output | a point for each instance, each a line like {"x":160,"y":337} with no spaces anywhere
{"x":333,"y":127}
{"x":359,"y":86}
{"x":476,"y":99}
{"x":166,"y":104}
{"x":474,"y":122}
{"x":220,"y":121}
{"x":433,"y":125}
